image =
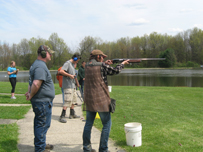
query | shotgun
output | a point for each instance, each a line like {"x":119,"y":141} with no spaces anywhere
{"x":136,"y":60}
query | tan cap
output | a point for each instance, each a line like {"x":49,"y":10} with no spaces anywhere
{"x":45,"y":48}
{"x":98,"y":52}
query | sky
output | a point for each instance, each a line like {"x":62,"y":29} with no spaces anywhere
{"x":109,"y":20}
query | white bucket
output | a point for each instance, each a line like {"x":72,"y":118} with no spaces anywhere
{"x":133,"y":134}
{"x":110,"y":88}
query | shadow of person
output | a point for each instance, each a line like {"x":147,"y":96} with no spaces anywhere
{"x":25,"y":148}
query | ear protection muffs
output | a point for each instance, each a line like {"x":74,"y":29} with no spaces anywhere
{"x":75,"y":58}
{"x":43,"y":52}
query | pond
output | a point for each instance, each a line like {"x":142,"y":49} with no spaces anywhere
{"x":140,"y":77}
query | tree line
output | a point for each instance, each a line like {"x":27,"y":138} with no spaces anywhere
{"x":183,"y":49}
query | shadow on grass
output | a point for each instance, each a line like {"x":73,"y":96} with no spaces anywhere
{"x":121,"y":143}
{"x":8,"y":145}
{"x":6,"y":96}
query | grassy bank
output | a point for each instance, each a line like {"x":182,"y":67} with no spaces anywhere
{"x":171,"y":117}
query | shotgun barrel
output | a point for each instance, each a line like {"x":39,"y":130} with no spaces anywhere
{"x":136,"y":60}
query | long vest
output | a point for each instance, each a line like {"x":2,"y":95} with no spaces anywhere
{"x":96,"y":94}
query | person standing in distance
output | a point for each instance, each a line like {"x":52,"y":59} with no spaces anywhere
{"x":81,"y":74}
{"x":12,"y":72}
{"x":68,"y":85}
{"x":97,"y":99}
{"x":41,"y":93}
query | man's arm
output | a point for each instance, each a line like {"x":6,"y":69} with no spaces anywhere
{"x":62,"y":72}
{"x":34,"y":89}
{"x":77,"y":83}
{"x":113,"y":70}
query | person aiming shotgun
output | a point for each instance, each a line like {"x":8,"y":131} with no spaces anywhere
{"x":96,"y":97}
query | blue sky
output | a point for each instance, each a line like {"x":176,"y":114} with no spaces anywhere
{"x":109,"y":20}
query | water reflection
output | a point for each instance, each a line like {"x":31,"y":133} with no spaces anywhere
{"x":139,"y":77}
{"x":158,"y":77}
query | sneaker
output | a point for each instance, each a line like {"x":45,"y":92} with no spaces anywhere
{"x":50,"y":147}
{"x":13,"y":97}
{"x":62,"y":119}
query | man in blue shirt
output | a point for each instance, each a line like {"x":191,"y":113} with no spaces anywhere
{"x":41,"y":93}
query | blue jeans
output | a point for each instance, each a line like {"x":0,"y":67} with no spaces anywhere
{"x":106,"y":121}
{"x":42,"y":121}
{"x":81,"y":90}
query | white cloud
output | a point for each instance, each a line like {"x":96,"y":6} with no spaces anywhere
{"x":186,"y":10}
{"x":198,"y":25}
{"x":175,"y":30}
{"x":140,"y":21}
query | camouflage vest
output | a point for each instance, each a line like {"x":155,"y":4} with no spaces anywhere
{"x":96,"y":94}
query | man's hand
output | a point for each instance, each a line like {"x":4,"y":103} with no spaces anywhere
{"x":64,"y":73}
{"x":27,"y":94}
{"x":125,"y":62}
{"x":108,"y":62}
{"x":71,"y":76}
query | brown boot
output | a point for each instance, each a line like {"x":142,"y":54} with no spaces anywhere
{"x":72,"y":114}
{"x":50,"y":147}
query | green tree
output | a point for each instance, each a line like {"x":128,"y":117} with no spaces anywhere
{"x":86,"y":46}
{"x":196,"y":43}
{"x":170,"y":58}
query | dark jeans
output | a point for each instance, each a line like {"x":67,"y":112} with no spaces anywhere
{"x":106,"y":121}
{"x":13,"y":84}
{"x":42,"y":122}
{"x":82,"y":86}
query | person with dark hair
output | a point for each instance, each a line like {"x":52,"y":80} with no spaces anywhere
{"x":12,"y":72}
{"x":81,"y":75}
{"x":41,"y":93}
{"x":69,"y":88}
{"x":97,"y":99}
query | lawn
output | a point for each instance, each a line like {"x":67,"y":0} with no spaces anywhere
{"x":9,"y":138}
{"x":13,"y":112}
{"x":9,"y":133}
{"x":20,"y":99}
{"x":21,"y":88}
{"x":171,"y":117}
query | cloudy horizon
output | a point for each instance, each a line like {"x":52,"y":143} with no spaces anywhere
{"x":109,"y":20}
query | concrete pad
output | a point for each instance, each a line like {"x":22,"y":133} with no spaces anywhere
{"x":7,"y":121}
{"x":66,"y":137}
{"x":4,"y":104}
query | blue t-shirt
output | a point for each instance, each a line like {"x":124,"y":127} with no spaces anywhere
{"x":39,"y":71}
{"x":11,"y":69}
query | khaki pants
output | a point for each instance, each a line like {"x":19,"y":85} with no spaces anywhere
{"x":70,"y":97}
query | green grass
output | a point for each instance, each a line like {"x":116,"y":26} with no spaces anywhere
{"x":13,"y":112}
{"x":21,"y":88}
{"x":19,"y":99}
{"x":169,"y":116}
{"x":9,"y":138}
{"x":9,"y":133}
